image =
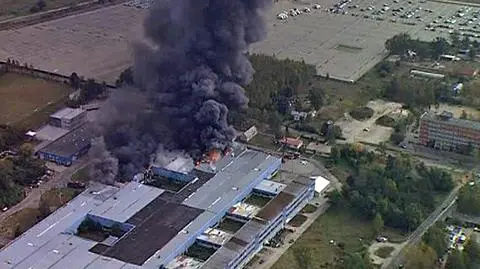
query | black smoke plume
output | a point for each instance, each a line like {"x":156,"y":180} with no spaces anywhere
{"x":191,"y":74}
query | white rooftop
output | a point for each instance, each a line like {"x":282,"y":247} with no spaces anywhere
{"x":67,"y":113}
{"x":270,"y":186}
{"x":244,"y":210}
{"x":321,"y":183}
{"x":52,"y":243}
{"x":215,"y":236}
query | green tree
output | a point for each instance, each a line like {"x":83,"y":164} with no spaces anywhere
{"x":464,"y":115}
{"x":333,"y":133}
{"x":465,"y":43}
{"x":378,"y":223}
{"x":472,"y":53}
{"x":398,"y":44}
{"x":436,"y":238}
{"x":356,"y":261}
{"x":469,"y":200}
{"x":455,"y":39}
{"x":397,"y":137}
{"x":275,"y":123}
{"x":439,"y":46}
{"x":472,"y":251}
{"x":456,"y":260}
{"x":316,"y":98}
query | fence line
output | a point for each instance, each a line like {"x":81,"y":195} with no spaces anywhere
{"x":38,"y":73}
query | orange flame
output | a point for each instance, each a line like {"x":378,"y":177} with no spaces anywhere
{"x":214,"y":155}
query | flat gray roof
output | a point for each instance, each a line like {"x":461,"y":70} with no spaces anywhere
{"x":452,"y":121}
{"x":232,"y":177}
{"x":270,"y":186}
{"x":51,"y":243}
{"x":70,"y":143}
{"x":248,"y":233}
{"x":67,"y":113}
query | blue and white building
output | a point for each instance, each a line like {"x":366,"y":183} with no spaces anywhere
{"x":159,"y":226}
{"x":69,"y":147}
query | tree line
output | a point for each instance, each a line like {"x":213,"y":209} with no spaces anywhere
{"x":392,"y":189}
{"x":469,"y":200}
{"x":400,"y":44}
{"x":89,"y":90}
{"x":273,"y":93}
{"x":17,"y":172}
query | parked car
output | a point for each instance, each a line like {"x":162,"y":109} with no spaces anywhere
{"x":381,"y":239}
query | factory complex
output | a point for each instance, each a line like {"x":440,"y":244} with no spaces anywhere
{"x":169,"y":218}
{"x":66,"y":137}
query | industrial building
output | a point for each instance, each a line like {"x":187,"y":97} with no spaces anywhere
{"x":156,"y":228}
{"x":69,"y":147}
{"x":445,"y":132}
{"x":68,"y":118}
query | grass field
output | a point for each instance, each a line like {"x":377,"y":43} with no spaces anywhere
{"x":336,"y":225}
{"x":341,"y":97}
{"x":22,"y":7}
{"x":27,"y":101}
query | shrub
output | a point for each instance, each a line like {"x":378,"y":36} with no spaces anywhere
{"x":362,"y":113}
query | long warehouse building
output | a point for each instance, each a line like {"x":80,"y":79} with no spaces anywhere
{"x":149,"y":224}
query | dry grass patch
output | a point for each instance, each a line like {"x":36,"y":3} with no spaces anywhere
{"x":337,"y":225}
{"x":23,"y":97}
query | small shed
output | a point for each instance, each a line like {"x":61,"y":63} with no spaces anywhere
{"x":249,"y":134}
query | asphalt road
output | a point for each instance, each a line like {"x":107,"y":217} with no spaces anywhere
{"x":33,"y":196}
{"x":398,"y":257}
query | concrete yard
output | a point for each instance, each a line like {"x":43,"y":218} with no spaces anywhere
{"x":346,"y":46}
{"x":94,"y":44}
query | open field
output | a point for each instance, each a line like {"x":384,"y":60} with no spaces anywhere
{"x":23,"y":98}
{"x":336,"y":225}
{"x":10,"y":8}
{"x":95,"y":44}
{"x":346,"y":46}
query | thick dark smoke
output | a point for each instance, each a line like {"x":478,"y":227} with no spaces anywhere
{"x":191,"y":76}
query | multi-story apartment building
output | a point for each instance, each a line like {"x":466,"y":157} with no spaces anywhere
{"x":443,"y":131}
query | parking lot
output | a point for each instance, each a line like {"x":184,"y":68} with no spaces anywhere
{"x":345,"y":39}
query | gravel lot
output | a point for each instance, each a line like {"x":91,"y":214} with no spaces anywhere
{"x":356,"y":131}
